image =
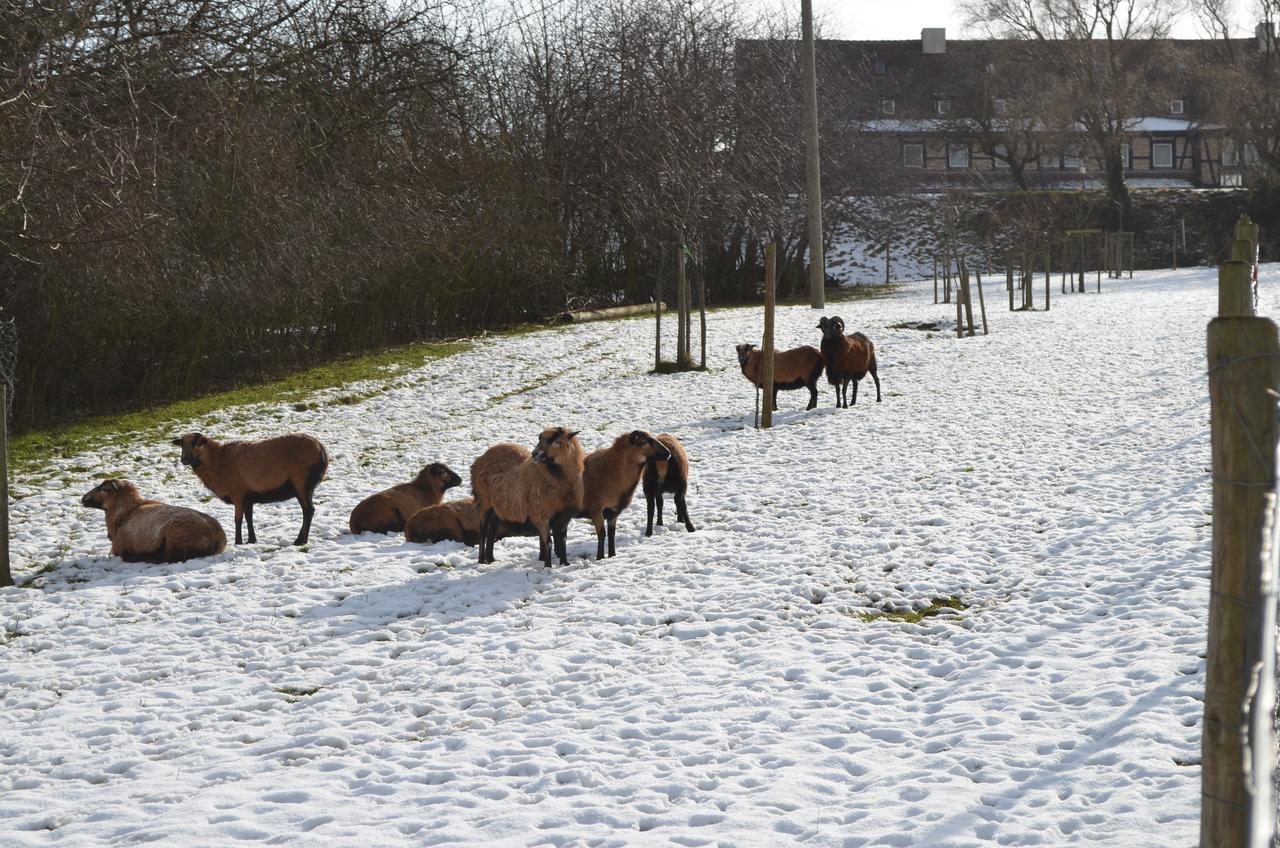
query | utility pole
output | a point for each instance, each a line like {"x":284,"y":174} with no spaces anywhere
{"x":813,"y":170}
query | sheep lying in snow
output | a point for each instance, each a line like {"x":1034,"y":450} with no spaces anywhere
{"x":542,"y":488}
{"x":143,"y":530}
{"x":848,"y":358}
{"x":388,"y":510}
{"x":609,"y":479}
{"x":456,"y":521}
{"x":792,"y":369}
{"x":267,"y":471}
{"x":668,"y":475}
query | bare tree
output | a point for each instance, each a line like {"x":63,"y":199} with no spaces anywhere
{"x":1101,"y":52}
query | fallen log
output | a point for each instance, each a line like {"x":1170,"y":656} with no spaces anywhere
{"x":585,"y":315}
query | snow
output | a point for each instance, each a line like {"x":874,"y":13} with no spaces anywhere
{"x":713,"y":688}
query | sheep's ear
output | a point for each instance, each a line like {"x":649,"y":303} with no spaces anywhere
{"x":572,"y":434}
{"x":178,"y":442}
{"x":113,"y":485}
{"x":198,"y":441}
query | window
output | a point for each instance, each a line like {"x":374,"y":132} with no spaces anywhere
{"x":913,"y":155}
{"x":1175,"y":107}
{"x":1162,"y":154}
{"x":958,"y":156}
{"x":943,"y":105}
{"x":1230,"y":155}
{"x":1048,"y":161}
{"x":887,"y":106}
{"x":1001,"y":157}
{"x":1071,"y":158}
{"x":1001,"y":106}
{"x":879,"y":68}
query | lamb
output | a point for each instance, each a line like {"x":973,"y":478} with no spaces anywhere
{"x":848,"y":358}
{"x":456,"y":521}
{"x":669,"y":475}
{"x":543,"y":488}
{"x":388,"y":510}
{"x":143,"y":530}
{"x":609,"y":480}
{"x":800,"y":366}
{"x":266,"y":471}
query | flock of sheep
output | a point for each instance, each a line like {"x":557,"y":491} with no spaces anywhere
{"x":516,"y":492}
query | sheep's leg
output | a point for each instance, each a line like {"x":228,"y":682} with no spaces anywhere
{"x":598,"y":522}
{"x":648,"y":507}
{"x":813,"y":396}
{"x":248,"y":519}
{"x":660,"y":500}
{"x":486,"y":545}
{"x":613,"y":530}
{"x":239,"y":517}
{"x":775,"y":399}
{"x":876,"y":377}
{"x":544,"y":545}
{"x":682,"y":511}
{"x":560,"y":534}
{"x":855,"y":393}
{"x":308,"y":510}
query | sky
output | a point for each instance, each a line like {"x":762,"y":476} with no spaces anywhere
{"x":875,"y":19}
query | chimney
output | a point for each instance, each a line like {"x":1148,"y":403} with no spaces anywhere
{"x":933,"y":40}
{"x":1266,"y":33}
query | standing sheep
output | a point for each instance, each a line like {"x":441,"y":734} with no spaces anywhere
{"x":455,"y":521}
{"x":609,"y":479}
{"x":849,"y":357}
{"x":542,"y":488}
{"x":144,"y":530}
{"x":800,"y":366}
{"x":669,"y":475}
{"x":266,"y":471}
{"x":388,"y":510}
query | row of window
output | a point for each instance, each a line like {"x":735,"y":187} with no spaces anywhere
{"x":1071,"y":160}
{"x":942,"y":105}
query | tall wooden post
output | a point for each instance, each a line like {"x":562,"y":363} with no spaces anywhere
{"x":886,"y":263}
{"x":935,"y":278}
{"x":657,"y":313}
{"x":982,"y":303}
{"x":813,"y":168}
{"x":1008,"y":276}
{"x":683,"y":359}
{"x":6,"y":576}
{"x":966,"y":295}
{"x":766,"y":349}
{"x":1047,"y":275}
{"x":702,"y":311}
{"x":1244,"y":374}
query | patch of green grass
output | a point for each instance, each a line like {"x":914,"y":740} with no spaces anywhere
{"x":32,"y":451}
{"x":915,"y":616}
{"x":294,"y":694}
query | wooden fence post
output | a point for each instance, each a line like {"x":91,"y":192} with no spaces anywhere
{"x":766,"y":349}
{"x":657,"y":312}
{"x":682,"y":290}
{"x":982,"y":303}
{"x":1008,"y":276}
{"x":6,"y":575}
{"x":1048,"y":274}
{"x":935,"y":278}
{"x":702,"y":310}
{"x":1244,"y":374}
{"x":886,"y":263}
{"x":966,"y":294}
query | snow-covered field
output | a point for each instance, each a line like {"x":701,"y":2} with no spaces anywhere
{"x":717,"y":688}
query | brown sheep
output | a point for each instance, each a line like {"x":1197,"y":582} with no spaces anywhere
{"x":849,"y":357}
{"x":671,"y":475}
{"x":800,"y":366}
{"x":266,"y":471}
{"x":388,"y":510}
{"x":456,"y":521}
{"x":542,"y":488}
{"x":609,"y":479}
{"x":143,"y":530}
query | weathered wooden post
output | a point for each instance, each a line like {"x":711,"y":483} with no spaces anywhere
{"x":966,"y":295}
{"x":657,"y":312}
{"x":935,"y":278}
{"x":1048,"y":274}
{"x":1008,"y":276}
{"x":683,"y":359}
{"x":766,"y":349}
{"x":982,"y":303}
{"x":702,"y":311}
{"x":1080,"y":250}
{"x":1101,"y":260}
{"x":6,"y":575}
{"x":886,"y":263}
{"x":1244,"y":374}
